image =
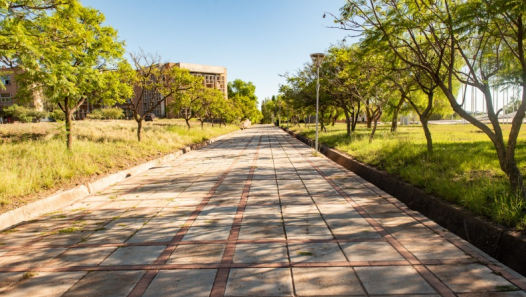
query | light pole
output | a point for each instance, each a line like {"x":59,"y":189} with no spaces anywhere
{"x":279,"y":115}
{"x":317,"y":58}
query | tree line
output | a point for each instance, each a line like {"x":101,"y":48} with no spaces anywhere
{"x":420,"y":55}
{"x":62,"y":50}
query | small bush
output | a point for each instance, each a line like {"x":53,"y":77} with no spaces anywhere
{"x":95,"y":114}
{"x":106,"y":113}
{"x":58,"y":115}
{"x":112,"y":113}
{"x":24,"y":114}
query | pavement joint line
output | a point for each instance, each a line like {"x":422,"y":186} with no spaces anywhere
{"x":222,"y":270}
{"x":282,"y":217}
{"x":156,"y":267}
{"x":145,"y":281}
{"x":220,"y":282}
{"x":429,"y":277}
{"x":323,"y":218}
{"x":68,"y":222}
{"x":485,"y":260}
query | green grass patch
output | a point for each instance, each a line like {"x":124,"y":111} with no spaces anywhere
{"x":463,"y":168}
{"x":301,"y":253}
{"x":35,"y":161}
{"x":70,"y":230}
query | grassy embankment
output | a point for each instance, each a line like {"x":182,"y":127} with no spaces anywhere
{"x":35,"y":161}
{"x":463,"y":169}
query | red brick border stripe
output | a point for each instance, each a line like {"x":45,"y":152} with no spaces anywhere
{"x":422,"y":270}
{"x":145,"y":281}
{"x":220,"y":282}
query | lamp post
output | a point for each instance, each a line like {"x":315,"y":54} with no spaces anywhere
{"x":317,"y":58}
{"x":279,"y":115}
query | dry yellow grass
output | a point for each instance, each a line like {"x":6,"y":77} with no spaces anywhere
{"x":35,"y":161}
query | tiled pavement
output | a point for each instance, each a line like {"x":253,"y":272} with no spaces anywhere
{"x":255,"y":214}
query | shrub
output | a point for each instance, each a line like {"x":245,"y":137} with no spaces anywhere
{"x":112,"y":113}
{"x":106,"y":113}
{"x":58,"y":115}
{"x":95,"y":114}
{"x":24,"y":114}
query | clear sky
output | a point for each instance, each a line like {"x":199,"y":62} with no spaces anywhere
{"x":254,"y":39}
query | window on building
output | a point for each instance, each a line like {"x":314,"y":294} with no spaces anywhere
{"x":6,"y":79}
{"x":5,"y":98}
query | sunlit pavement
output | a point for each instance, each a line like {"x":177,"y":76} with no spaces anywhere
{"x":254,"y":214}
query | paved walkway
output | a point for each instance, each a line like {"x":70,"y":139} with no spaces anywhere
{"x":255,"y":214}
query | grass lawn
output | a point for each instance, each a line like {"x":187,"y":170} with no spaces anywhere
{"x":35,"y":161}
{"x":463,"y":169}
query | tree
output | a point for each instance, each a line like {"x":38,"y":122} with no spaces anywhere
{"x":211,"y":106}
{"x":479,"y":43}
{"x":337,"y":80}
{"x":268,"y":110}
{"x":22,"y":39}
{"x":243,"y":96}
{"x":154,"y":83}
{"x":81,"y":61}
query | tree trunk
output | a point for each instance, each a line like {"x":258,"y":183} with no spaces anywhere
{"x":202,"y":124}
{"x":375,"y":117}
{"x":427,"y":132}
{"x":187,"y":123}
{"x":355,"y":115}
{"x":369,"y":117}
{"x":373,"y":131}
{"x":347,"y":122}
{"x":139,"y":128}
{"x":69,"y":135}
{"x":394,"y":124}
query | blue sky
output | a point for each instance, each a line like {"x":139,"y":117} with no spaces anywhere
{"x":254,"y":39}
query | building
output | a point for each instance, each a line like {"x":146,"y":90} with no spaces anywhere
{"x":213,"y":77}
{"x":8,"y":95}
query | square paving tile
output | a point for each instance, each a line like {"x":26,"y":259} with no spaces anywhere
{"x":263,"y":209}
{"x":105,"y":236}
{"x":380,"y":208}
{"x":299,"y":219}
{"x":17,"y":238}
{"x":182,"y":282}
{"x":316,"y":252}
{"x":30,"y":258}
{"x":295,"y":198}
{"x":45,"y":284}
{"x":347,"y":222}
{"x":352,"y":232}
{"x":64,"y":238}
{"x":471,"y":278}
{"x":197,"y":254}
{"x":433,"y":249}
{"x":255,"y":232}
{"x":300,"y":209}
{"x":370,"y":251}
{"x":9,"y":279}
{"x":89,"y":256}
{"x":326,"y":281}
{"x":417,"y":231}
{"x":259,"y":282}
{"x":391,"y":280}
{"x":308,"y":232}
{"x":261,"y":253}
{"x":207,"y":233}
{"x":152,"y":233}
{"x":134,"y":255}
{"x":105,"y":283}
